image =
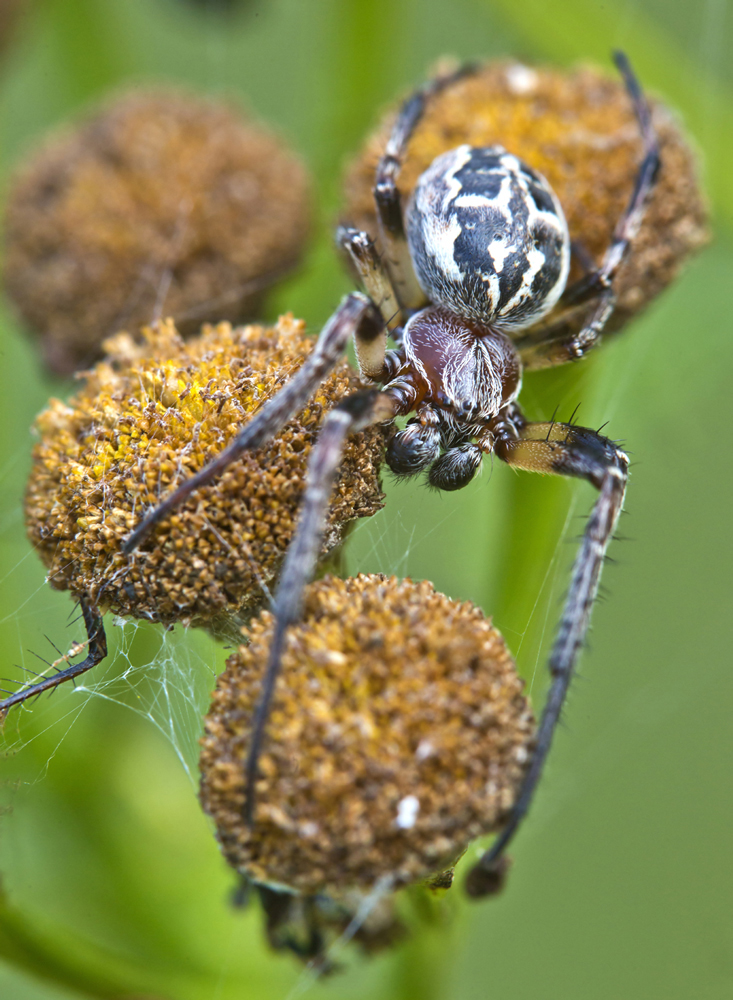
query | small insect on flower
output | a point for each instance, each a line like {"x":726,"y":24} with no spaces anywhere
{"x":399,"y":733}
{"x":146,"y":418}
{"x":160,"y":204}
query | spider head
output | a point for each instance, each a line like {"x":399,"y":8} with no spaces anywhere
{"x":487,"y":237}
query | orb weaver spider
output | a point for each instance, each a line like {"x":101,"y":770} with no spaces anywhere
{"x":484,"y":240}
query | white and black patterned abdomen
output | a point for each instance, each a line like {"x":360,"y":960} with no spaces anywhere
{"x":488,"y":237}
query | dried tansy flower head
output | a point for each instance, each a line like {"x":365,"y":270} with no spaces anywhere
{"x":161,"y":204}
{"x":398,"y":734}
{"x":147,"y":418}
{"x":577,"y":129}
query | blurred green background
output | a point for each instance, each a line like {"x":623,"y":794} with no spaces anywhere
{"x":112,"y":882}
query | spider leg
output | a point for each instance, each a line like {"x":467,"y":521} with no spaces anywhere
{"x":387,"y":195}
{"x":567,"y":451}
{"x":96,"y":652}
{"x":598,"y":285}
{"x":356,"y":315}
{"x":353,"y":414}
{"x":372,"y":273}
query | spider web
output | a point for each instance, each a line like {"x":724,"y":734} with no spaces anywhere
{"x":163,"y":676}
{"x":166,"y":677}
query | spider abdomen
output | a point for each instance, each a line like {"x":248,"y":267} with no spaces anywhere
{"x":472,"y":370}
{"x":488,"y":237}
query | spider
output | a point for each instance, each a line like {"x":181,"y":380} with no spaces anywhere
{"x":484,"y":240}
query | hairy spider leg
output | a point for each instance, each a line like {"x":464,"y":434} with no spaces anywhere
{"x":555,"y":448}
{"x":554,"y":348}
{"x":566,"y":450}
{"x":372,"y":274}
{"x":353,"y":414}
{"x":387,"y":194}
{"x":96,"y":652}
{"x":549,"y":448}
{"x":357,"y":316}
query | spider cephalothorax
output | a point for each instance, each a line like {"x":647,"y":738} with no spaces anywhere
{"x":457,"y":376}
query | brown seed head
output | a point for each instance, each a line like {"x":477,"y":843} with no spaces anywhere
{"x":148,"y":417}
{"x":398,"y":734}
{"x":578,"y":129}
{"x":162,"y":203}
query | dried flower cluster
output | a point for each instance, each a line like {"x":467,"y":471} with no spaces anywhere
{"x":577,"y":129}
{"x":161,"y":204}
{"x":148,"y":417}
{"x":399,"y":733}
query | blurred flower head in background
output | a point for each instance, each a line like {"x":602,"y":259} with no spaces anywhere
{"x":161,"y":204}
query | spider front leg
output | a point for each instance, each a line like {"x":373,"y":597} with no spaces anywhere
{"x":353,"y":414}
{"x":96,"y":645}
{"x":373,"y":276}
{"x":564,"y":450}
{"x":355,"y":316}
{"x":554,"y":348}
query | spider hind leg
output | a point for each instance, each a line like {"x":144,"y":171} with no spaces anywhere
{"x":556,"y":346}
{"x":387,"y":196}
{"x":562,"y":449}
{"x":371,"y":271}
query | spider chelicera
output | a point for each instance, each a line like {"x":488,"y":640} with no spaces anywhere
{"x":484,"y":240}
